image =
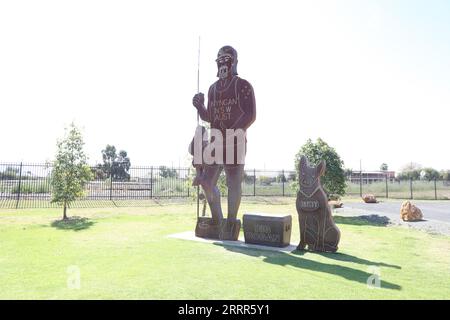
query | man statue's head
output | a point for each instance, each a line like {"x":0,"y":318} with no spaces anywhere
{"x":226,"y":62}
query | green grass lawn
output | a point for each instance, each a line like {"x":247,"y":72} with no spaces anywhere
{"x":124,"y":253}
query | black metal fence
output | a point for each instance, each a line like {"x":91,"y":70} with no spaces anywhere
{"x":27,"y":185}
{"x":384,"y":185}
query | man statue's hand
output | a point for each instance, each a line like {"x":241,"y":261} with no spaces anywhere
{"x":199,"y":100}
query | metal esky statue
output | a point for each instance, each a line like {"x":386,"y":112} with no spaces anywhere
{"x":230,"y":111}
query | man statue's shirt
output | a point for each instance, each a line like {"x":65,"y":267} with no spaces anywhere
{"x":232,"y":107}
{"x":227,"y":106}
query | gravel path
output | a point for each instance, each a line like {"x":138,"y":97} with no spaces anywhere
{"x":436,"y":213}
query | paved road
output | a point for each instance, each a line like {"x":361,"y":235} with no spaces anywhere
{"x":436,"y":213}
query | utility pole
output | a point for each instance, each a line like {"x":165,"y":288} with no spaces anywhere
{"x":360,"y":177}
{"x":198,"y":119}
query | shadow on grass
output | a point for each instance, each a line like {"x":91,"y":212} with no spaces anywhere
{"x":296,"y":260}
{"x":371,"y":220}
{"x":73,"y":223}
{"x":414,"y":221}
{"x":349,"y":258}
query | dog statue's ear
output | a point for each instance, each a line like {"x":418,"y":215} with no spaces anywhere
{"x":303,"y":162}
{"x":302,"y":166}
{"x":321,"y":168}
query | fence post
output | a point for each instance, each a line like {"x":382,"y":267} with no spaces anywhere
{"x":435,"y":190}
{"x":411,"y":188}
{"x":282,"y":179}
{"x":387,"y":188}
{"x":360,"y":184}
{"x":188,"y":172}
{"x":254,"y":182}
{"x":20,"y":186}
{"x":151,"y":182}
{"x":110,"y":186}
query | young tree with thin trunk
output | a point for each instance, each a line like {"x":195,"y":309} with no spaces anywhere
{"x":70,"y":170}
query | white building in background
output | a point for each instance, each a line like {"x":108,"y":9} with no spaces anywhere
{"x":370,"y":176}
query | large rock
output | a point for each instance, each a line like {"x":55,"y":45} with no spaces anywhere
{"x":409,"y":212}
{"x":369,"y":198}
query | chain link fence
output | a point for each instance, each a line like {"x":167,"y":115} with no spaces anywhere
{"x":384,"y":185}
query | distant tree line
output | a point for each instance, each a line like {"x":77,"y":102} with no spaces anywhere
{"x":9,"y":173}
{"x":415,"y":171}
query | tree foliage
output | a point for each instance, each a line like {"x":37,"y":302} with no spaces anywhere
{"x":292,"y":176}
{"x":281,"y":177}
{"x":415,"y":171}
{"x":444,"y":175}
{"x":384,"y":167}
{"x":70,"y":170}
{"x":265,"y":180}
{"x":429,"y":174}
{"x":410,"y":171}
{"x":115,"y":165}
{"x":334,"y":179}
{"x":248,"y":179}
{"x":9,"y":173}
{"x":165,"y":172}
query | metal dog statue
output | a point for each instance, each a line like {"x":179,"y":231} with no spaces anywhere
{"x":318,"y":231}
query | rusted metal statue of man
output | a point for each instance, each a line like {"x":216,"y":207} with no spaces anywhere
{"x":231,"y":110}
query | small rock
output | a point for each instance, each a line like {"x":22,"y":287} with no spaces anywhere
{"x":369,"y":198}
{"x":409,"y":212}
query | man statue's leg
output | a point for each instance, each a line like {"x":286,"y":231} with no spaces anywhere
{"x":209,"y":184}
{"x":234,"y":181}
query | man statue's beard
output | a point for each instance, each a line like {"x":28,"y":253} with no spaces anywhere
{"x":224,"y":71}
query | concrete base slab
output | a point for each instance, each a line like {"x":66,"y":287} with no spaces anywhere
{"x":190,"y":235}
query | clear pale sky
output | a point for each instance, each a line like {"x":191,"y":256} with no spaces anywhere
{"x":371,"y":78}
